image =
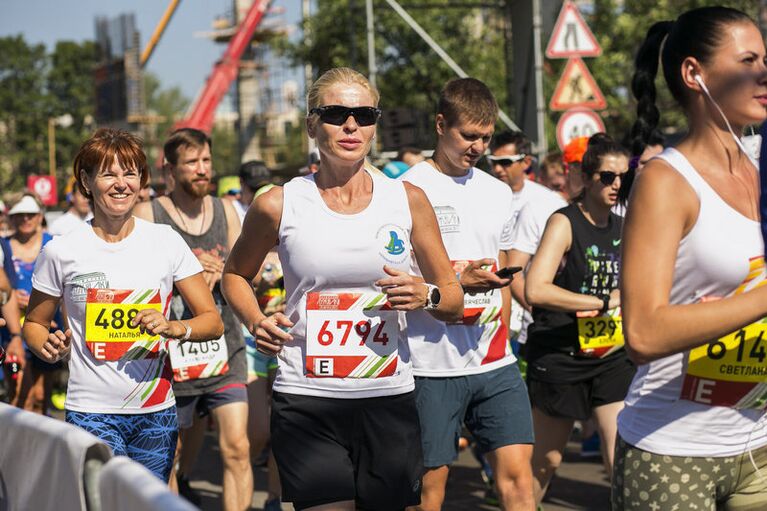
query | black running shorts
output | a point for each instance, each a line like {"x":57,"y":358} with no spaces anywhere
{"x":331,"y":450}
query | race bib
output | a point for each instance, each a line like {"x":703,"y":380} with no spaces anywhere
{"x":108,"y":333}
{"x":480,"y":308}
{"x":730,"y":371}
{"x":198,"y":360}
{"x":351,"y":335}
{"x":600,"y":336}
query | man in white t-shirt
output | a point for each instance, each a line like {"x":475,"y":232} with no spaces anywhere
{"x":78,"y":213}
{"x":465,"y":372}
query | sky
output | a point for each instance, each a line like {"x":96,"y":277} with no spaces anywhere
{"x":182,"y":58}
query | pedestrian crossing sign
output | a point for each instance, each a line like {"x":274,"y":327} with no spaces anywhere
{"x":577,"y":88}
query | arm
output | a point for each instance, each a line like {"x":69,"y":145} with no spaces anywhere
{"x":233,"y":224}
{"x":406,"y":292}
{"x":503,"y":261}
{"x":13,"y":322}
{"x":519,"y":258}
{"x":259,"y":234}
{"x":206,"y":322}
{"x":666,"y":210}
{"x":540,"y":290}
{"x":48,"y":346}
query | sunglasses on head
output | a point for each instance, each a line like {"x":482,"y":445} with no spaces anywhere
{"x":507,"y":161}
{"x":337,"y":114}
{"x":608,"y":177}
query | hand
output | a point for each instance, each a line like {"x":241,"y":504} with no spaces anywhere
{"x":22,"y":298}
{"x":57,"y":347}
{"x":269,"y":336}
{"x":154,"y":322}
{"x":211,"y":262}
{"x":474,"y":279}
{"x":403,"y":291}
{"x":16,"y":347}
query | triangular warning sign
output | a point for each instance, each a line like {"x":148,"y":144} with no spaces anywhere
{"x":571,"y":36}
{"x":577,"y":88}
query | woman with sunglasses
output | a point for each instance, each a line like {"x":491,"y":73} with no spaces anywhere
{"x":577,"y":367}
{"x":344,"y":425}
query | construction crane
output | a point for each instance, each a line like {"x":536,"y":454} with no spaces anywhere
{"x":202,"y":112}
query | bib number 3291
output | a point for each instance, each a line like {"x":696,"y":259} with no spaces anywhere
{"x":601,"y":335}
{"x":350,"y":335}
{"x":731,"y":371}
{"x":108,"y":332}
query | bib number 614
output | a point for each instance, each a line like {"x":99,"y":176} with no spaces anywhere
{"x":342,"y":329}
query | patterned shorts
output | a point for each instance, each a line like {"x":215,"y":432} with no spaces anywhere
{"x":654,"y":482}
{"x":147,"y":438}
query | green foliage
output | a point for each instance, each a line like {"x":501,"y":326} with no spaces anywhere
{"x":410,"y":74}
{"x":36,"y":86}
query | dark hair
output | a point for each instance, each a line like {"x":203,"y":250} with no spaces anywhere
{"x":600,"y":145}
{"x":521,"y":143}
{"x":255,"y":174}
{"x":102,"y":148}
{"x":551,"y":161}
{"x":696,"y":33}
{"x":184,"y":137}
{"x":468,"y":100}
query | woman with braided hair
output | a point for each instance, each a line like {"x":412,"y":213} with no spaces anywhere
{"x":692,"y":434}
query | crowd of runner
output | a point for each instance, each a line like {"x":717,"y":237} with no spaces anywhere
{"x":355,"y":329}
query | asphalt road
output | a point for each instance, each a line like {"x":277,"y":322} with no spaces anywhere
{"x":579,"y":484}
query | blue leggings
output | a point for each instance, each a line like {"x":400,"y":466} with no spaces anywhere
{"x":147,"y":438}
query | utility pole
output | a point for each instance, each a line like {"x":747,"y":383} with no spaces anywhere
{"x":306,"y":13}
{"x":372,"y":68}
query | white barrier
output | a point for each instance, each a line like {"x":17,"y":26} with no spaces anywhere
{"x":125,"y":485}
{"x":43,"y":463}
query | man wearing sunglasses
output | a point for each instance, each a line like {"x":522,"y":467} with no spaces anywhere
{"x":465,"y":372}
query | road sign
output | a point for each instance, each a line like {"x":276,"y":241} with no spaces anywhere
{"x":571,"y":36}
{"x":577,"y":88}
{"x":45,"y":187}
{"x":578,"y":122}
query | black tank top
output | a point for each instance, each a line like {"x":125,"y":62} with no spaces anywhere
{"x":590,"y":267}
{"x":215,"y":241}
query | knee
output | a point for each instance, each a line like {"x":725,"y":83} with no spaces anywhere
{"x":516,"y":486}
{"x":548,"y":462}
{"x":235,"y":450}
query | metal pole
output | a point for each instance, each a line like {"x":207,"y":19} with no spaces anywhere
{"x":308,"y":72}
{"x":52,"y":147}
{"x":442,"y":53}
{"x":540,"y":106}
{"x":372,"y":68}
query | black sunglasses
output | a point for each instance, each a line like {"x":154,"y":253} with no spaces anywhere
{"x":337,"y":114}
{"x":608,"y":177}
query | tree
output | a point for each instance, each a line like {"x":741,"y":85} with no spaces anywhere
{"x":23,"y":110}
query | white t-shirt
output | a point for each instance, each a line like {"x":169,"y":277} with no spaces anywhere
{"x":475,"y":216}
{"x":67,"y":223}
{"x":152,"y":256}
{"x":533,"y":215}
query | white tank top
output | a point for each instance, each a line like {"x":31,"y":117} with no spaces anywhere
{"x":666,"y":411}
{"x":326,"y":252}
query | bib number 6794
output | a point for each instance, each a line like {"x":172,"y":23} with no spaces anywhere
{"x":343,"y":328}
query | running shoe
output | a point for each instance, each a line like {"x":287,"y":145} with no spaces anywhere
{"x":186,"y":490}
{"x":591,"y":447}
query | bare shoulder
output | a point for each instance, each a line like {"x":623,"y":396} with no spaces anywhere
{"x":143,"y":210}
{"x":661,"y":191}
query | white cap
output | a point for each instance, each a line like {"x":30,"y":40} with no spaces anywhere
{"x":26,"y":205}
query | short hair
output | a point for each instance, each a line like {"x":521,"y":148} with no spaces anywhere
{"x":408,"y":149}
{"x":102,"y":148}
{"x":552,"y":160}
{"x":521,"y":143}
{"x":468,"y":100}
{"x":337,"y":75}
{"x":184,"y":137}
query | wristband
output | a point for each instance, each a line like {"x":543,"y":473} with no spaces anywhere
{"x":605,"y":304}
{"x":188,"y":332}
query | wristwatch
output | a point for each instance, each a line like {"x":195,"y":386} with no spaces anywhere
{"x":433,"y":297}
{"x":605,"y":304}
{"x":188,"y":332}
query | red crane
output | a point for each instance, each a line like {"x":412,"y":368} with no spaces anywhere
{"x":202,"y":112}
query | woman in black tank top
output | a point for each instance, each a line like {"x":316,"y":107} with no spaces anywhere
{"x":576,"y":363}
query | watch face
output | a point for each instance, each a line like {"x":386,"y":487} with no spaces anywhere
{"x":435,"y":296}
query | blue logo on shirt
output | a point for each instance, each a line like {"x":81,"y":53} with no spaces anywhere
{"x":396,"y":246}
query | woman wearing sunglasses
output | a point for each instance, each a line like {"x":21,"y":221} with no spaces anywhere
{"x":577,"y":367}
{"x":344,"y":425}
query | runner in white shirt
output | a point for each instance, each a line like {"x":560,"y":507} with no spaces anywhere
{"x":116,"y":276}
{"x":693,"y":433}
{"x":344,"y":426}
{"x":465,"y":371}
{"x":78,"y":213}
